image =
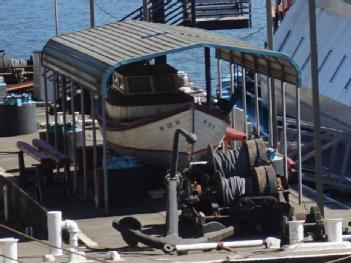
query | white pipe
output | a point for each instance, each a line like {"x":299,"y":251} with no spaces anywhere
{"x":333,"y":229}
{"x":346,"y":237}
{"x":73,"y":229}
{"x":6,"y":202}
{"x":232,"y":244}
{"x":318,"y":246}
{"x":9,"y":249}
{"x":55,"y":232}
{"x":296,"y":233}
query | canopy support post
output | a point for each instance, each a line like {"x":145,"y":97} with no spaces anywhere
{"x":55,"y":84}
{"x":298,"y":127}
{"x":46,"y":105}
{"x":257,"y":110}
{"x":82,"y":111}
{"x":104,"y":154}
{"x":208,"y":76}
{"x":73,"y":113}
{"x":244,"y":100}
{"x":284,"y":140}
{"x":219,"y":76}
{"x":93,"y":118}
{"x":270,"y":112}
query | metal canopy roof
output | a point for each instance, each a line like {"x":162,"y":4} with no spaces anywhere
{"x":89,"y":56}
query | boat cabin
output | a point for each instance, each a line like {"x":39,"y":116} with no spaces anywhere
{"x":145,"y":79}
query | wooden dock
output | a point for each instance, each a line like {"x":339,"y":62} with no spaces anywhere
{"x":97,"y":226}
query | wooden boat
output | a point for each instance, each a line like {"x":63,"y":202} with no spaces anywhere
{"x":145,"y":107}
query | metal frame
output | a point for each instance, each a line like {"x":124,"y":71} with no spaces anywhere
{"x":94,"y":69}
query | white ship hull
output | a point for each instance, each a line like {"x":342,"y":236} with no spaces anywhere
{"x":334,"y":50}
{"x":150,"y":139}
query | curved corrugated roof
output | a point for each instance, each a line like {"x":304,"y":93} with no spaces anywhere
{"x":89,"y":56}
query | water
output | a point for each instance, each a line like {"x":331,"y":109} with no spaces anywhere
{"x":27,"y":25}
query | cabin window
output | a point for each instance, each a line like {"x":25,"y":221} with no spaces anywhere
{"x":139,"y":85}
{"x":285,"y":40}
{"x":325,"y":59}
{"x":298,"y":46}
{"x":306,"y":62}
{"x":164,"y":83}
{"x":348,"y":84}
{"x":338,"y":68}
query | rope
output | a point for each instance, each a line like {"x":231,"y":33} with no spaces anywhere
{"x":48,"y":244}
{"x":253,"y":33}
{"x":340,"y":259}
{"x":1,"y":255}
{"x":104,"y":11}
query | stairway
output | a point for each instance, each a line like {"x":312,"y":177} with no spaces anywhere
{"x":206,"y":14}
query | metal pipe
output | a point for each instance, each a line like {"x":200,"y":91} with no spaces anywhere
{"x":244,"y":100}
{"x":55,"y":84}
{"x":285,"y":148}
{"x":56,"y":17}
{"x":269,"y":24}
{"x":64,"y":112}
{"x":46,"y":105}
{"x":219,"y":76}
{"x":299,"y":155}
{"x":104,"y":154}
{"x":274,"y":114}
{"x":270,"y":112}
{"x":64,"y":89}
{"x":172,"y":182}
{"x":273,"y":125}
{"x":315,"y":103}
{"x":270,"y":242}
{"x":85,"y":179}
{"x":257,"y":110}
{"x":5,"y":191}
{"x":232,"y":83}
{"x":317,"y":246}
{"x":208,"y":76}
{"x":145,"y":11}
{"x":93,"y":118}
{"x":74,"y":138}
{"x":92,"y":14}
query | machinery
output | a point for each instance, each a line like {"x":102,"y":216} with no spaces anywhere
{"x":238,"y":188}
{"x":232,"y":192}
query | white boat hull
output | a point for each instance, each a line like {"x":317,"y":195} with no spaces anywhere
{"x":151,"y":139}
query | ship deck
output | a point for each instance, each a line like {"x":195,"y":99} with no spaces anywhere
{"x":98,"y":226}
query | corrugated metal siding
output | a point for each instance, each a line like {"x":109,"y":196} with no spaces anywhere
{"x":89,"y":56}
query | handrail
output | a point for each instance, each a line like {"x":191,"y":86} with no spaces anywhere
{"x":176,"y":12}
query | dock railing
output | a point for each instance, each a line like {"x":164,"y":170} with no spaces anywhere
{"x":22,"y":208}
{"x":186,"y":12}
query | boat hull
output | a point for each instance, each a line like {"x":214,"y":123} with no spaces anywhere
{"x":150,"y":139}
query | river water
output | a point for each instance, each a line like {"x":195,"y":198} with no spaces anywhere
{"x":27,"y":25}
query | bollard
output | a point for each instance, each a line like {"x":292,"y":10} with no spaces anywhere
{"x":333,"y":229}
{"x":6,"y":202}
{"x":76,"y":256}
{"x":55,"y":232}
{"x":296,"y":231}
{"x":9,"y":249}
{"x":113,"y":256}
